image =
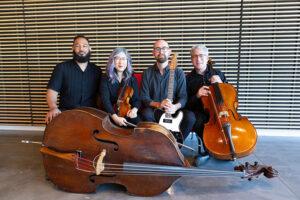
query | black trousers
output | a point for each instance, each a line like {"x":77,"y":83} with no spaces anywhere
{"x":201,"y":120}
{"x":186,"y":125}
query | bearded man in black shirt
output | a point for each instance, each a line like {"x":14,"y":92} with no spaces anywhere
{"x":76,"y":81}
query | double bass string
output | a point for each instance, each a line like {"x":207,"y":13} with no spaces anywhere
{"x":150,"y":169}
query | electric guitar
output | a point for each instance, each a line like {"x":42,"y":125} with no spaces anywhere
{"x":172,"y":122}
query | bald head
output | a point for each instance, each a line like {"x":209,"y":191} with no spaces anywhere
{"x":160,"y":42}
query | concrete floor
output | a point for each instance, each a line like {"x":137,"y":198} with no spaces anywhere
{"x":22,"y":175}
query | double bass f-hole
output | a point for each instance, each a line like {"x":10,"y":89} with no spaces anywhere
{"x":98,"y":133}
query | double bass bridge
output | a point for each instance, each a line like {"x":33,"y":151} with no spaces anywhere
{"x":91,"y":166}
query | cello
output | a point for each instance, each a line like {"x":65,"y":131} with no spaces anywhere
{"x":82,"y":148}
{"x":227,"y":135}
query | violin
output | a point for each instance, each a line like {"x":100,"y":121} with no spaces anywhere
{"x":123,"y":105}
{"x":82,"y":148}
{"x":227,"y":135}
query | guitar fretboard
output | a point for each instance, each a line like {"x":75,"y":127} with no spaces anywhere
{"x":171,"y":85}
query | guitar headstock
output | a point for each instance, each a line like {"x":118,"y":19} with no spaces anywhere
{"x":173,"y":62}
{"x":253,"y":171}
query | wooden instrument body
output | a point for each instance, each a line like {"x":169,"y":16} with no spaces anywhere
{"x":124,"y":102}
{"x":243,"y":133}
{"x":89,"y":131}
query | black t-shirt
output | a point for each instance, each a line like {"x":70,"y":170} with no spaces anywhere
{"x":76,"y":88}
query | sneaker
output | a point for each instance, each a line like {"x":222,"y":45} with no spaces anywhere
{"x":201,"y":160}
{"x":201,"y":148}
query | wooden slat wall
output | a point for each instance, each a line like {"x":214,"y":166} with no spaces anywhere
{"x":256,"y":43}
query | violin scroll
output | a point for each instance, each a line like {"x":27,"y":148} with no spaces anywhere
{"x":254,"y":170}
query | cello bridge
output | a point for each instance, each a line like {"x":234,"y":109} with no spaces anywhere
{"x":223,"y":114}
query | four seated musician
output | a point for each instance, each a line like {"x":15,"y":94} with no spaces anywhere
{"x":154,"y":90}
{"x":114,"y":85}
{"x":198,"y":81}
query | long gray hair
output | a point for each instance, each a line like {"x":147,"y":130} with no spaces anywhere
{"x":110,"y":68}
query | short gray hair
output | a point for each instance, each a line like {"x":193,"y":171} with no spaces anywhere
{"x":202,"y":47}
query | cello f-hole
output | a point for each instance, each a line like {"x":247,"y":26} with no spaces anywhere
{"x":95,"y":132}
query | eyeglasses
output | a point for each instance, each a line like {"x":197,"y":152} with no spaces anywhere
{"x":162,"y":49}
{"x":199,"y":56}
{"x":120,"y":58}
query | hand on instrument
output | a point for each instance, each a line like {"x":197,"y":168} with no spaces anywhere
{"x":215,"y":79}
{"x":168,"y":106}
{"x":203,"y":91}
{"x":132,"y":113}
{"x":121,"y":121}
{"x":51,"y":114}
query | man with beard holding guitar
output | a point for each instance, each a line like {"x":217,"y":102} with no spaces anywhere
{"x":76,"y":81}
{"x":156,"y":96}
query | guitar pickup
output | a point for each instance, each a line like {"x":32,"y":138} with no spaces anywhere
{"x":167,"y":120}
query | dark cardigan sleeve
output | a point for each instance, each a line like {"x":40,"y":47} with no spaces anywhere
{"x":135,"y":100}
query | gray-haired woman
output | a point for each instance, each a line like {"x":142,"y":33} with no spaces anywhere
{"x":119,"y":74}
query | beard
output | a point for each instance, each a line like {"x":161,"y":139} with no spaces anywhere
{"x":162,"y":59}
{"x":81,"y":58}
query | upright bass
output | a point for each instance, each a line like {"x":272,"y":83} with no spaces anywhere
{"x":83,"y":148}
{"x":227,"y":135}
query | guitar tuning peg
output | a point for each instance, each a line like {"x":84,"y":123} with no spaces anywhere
{"x":249,"y":179}
{"x":255,"y":163}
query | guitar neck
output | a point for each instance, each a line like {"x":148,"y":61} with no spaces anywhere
{"x":171,"y":85}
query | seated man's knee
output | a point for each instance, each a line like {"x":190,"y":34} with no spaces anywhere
{"x":147,"y":115}
{"x":189,"y":116}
